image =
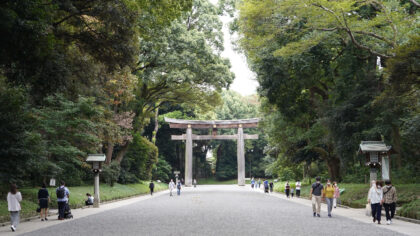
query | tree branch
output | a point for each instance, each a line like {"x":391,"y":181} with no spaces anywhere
{"x":415,"y":3}
{"x":358,"y":45}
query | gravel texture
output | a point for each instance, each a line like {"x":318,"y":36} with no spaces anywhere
{"x":213,"y":211}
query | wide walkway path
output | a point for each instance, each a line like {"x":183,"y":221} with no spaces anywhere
{"x":209,"y":210}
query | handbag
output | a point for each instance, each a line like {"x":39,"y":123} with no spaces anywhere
{"x":368,"y":210}
{"x":38,"y":209}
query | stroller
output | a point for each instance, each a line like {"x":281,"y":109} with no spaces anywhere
{"x":67,"y":212}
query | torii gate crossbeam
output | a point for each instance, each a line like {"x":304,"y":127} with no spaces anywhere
{"x":202,"y":124}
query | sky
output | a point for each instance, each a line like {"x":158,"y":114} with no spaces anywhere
{"x":245,"y":82}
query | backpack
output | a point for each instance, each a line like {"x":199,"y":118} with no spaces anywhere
{"x":179,"y":185}
{"x":61,"y":192}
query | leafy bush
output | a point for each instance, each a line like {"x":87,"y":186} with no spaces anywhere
{"x":111,"y":172}
{"x":162,"y":171}
{"x":411,"y":210}
{"x":141,"y":156}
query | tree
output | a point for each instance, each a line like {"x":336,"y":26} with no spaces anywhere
{"x":181,"y":64}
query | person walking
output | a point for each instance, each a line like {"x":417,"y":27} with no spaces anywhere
{"x":171,"y":187}
{"x":252,"y":182}
{"x":389,"y":201}
{"x":271,"y":186}
{"x":336,"y":194}
{"x":178,"y":188}
{"x":151,"y":187}
{"x":315,"y":195}
{"x":375,"y":201}
{"x":329,"y":196}
{"x":259,"y":183}
{"x":14,"y":197}
{"x":266,"y":186}
{"x":287,"y":189}
{"x":292,"y":192}
{"x":63,"y":195}
{"x":298,"y":185}
{"x":43,"y":200}
{"x":195,"y":183}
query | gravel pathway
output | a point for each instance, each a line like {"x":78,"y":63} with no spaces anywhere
{"x":209,"y":210}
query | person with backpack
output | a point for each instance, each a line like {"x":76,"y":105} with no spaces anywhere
{"x":287,"y":189}
{"x":43,"y":200}
{"x":178,"y":188}
{"x":389,"y":201}
{"x":252,"y":183}
{"x":171,"y":187}
{"x":375,"y":200}
{"x":151,"y":187}
{"x":298,"y":185}
{"x":14,"y":197}
{"x":329,"y":196}
{"x":315,"y":194}
{"x":63,"y":195}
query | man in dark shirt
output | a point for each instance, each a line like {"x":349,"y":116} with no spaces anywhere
{"x":316,"y":195}
{"x":151,"y":186}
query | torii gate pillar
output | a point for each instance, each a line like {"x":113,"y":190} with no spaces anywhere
{"x":188,"y":158}
{"x":241,"y":157}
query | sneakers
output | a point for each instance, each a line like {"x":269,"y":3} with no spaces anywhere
{"x":314,"y":214}
{"x":42,"y":219}
{"x":13,"y":228}
{"x":46,"y":219}
{"x":388,"y":222}
{"x":318,"y":215}
{"x":329,"y":215}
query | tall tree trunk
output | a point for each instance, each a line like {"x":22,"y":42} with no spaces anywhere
{"x":122,"y":152}
{"x":333,"y":164}
{"x":109,"y":151}
{"x":156,"y":126}
{"x":396,"y":141}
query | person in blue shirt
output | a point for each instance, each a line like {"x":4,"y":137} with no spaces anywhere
{"x":63,"y":195}
{"x":252,"y":182}
{"x":266,"y":186}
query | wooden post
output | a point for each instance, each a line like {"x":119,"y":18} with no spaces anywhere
{"x":188,"y":158}
{"x":241,"y":157}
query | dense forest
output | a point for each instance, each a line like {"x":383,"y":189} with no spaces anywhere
{"x":331,"y":74}
{"x":82,"y":77}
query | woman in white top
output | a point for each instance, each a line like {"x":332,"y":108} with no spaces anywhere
{"x":13,"y":199}
{"x":298,"y":184}
{"x":375,"y":199}
{"x":171,"y":187}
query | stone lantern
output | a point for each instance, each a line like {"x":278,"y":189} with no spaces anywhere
{"x":96,"y":160}
{"x":377,"y":155}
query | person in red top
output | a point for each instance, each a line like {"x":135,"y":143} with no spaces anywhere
{"x":336,"y":194}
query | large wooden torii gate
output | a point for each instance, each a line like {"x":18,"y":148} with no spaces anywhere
{"x":214,"y":125}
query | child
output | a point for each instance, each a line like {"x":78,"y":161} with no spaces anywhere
{"x":292,"y":192}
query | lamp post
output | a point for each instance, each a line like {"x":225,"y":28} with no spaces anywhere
{"x":96,"y":160}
